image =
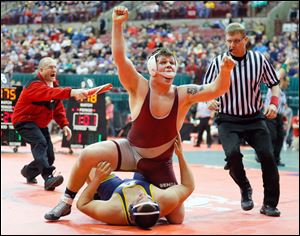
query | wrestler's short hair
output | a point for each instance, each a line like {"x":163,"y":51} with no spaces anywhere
{"x":144,"y":214}
{"x":235,"y":28}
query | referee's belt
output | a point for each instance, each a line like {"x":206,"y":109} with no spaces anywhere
{"x":221,"y":117}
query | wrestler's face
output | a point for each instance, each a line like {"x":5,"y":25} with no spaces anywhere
{"x":236,"y":43}
{"x":142,"y":197}
{"x":49,"y":72}
{"x":166,"y":64}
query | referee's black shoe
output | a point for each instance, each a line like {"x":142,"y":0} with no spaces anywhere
{"x":269,"y":211}
{"x":246,"y":202}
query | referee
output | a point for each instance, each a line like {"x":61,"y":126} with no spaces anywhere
{"x":240,"y":117}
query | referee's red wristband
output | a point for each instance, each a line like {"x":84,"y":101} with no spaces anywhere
{"x":274,"y":100}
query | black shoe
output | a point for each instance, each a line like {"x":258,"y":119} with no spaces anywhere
{"x":226,"y":167}
{"x":269,"y":211}
{"x":280,"y":164}
{"x":196,"y":145}
{"x":53,"y":181}
{"x":28,"y":180}
{"x":246,"y":202}
{"x":61,"y":209}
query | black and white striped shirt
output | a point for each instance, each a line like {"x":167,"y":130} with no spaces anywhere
{"x":244,"y":96}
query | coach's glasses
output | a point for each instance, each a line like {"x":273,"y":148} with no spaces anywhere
{"x":236,"y":41}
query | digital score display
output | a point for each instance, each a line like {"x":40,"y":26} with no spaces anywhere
{"x":9,"y":98}
{"x":87,"y":121}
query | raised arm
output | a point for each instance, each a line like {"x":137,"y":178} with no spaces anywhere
{"x":128,"y":75}
{"x":201,"y":93}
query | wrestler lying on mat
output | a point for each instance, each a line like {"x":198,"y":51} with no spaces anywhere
{"x":109,"y":199}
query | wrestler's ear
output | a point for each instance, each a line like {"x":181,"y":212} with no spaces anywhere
{"x":152,"y":66}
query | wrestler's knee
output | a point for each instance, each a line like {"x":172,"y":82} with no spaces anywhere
{"x":85,"y":158}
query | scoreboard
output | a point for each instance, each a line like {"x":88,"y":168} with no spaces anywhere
{"x":87,"y":121}
{"x":9,"y":98}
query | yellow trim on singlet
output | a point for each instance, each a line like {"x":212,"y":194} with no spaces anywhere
{"x":108,"y":177}
{"x":151,"y":191}
{"x":124,"y":209}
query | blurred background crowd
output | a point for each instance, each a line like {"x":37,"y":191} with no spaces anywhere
{"x":77,"y":34}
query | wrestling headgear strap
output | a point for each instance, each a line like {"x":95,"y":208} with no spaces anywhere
{"x":152,"y":68}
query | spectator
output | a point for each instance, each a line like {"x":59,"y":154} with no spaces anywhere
{"x":109,"y":116}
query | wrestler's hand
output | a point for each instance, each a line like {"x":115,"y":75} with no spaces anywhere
{"x":103,"y":170}
{"x":178,"y":147}
{"x":227,"y":63}
{"x":271,"y":112}
{"x":213,"y":105}
{"x":79,"y":93}
{"x":120,"y":14}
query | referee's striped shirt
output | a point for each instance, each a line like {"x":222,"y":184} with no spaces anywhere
{"x":244,"y":97}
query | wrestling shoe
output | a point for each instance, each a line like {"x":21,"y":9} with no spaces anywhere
{"x":61,"y":209}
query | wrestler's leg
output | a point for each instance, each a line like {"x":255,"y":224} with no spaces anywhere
{"x":89,"y":158}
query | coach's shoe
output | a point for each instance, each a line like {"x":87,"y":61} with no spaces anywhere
{"x":28,"y":180}
{"x":246,"y":202}
{"x":53,"y":181}
{"x":62,"y":209}
{"x":269,"y":211}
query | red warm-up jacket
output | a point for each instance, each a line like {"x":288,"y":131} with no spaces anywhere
{"x":40,"y":103}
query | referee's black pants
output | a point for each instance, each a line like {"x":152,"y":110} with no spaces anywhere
{"x":231,"y":131}
{"x":41,"y":148}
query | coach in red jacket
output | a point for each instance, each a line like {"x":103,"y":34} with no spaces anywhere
{"x":39,"y":103}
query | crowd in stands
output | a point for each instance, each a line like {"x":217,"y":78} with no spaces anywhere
{"x":41,"y":12}
{"x":201,"y":9}
{"x":80,"y":51}
{"x":83,"y":51}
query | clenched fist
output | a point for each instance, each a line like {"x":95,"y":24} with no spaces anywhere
{"x":213,"y":105}
{"x":120,"y":14}
{"x":227,"y":63}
